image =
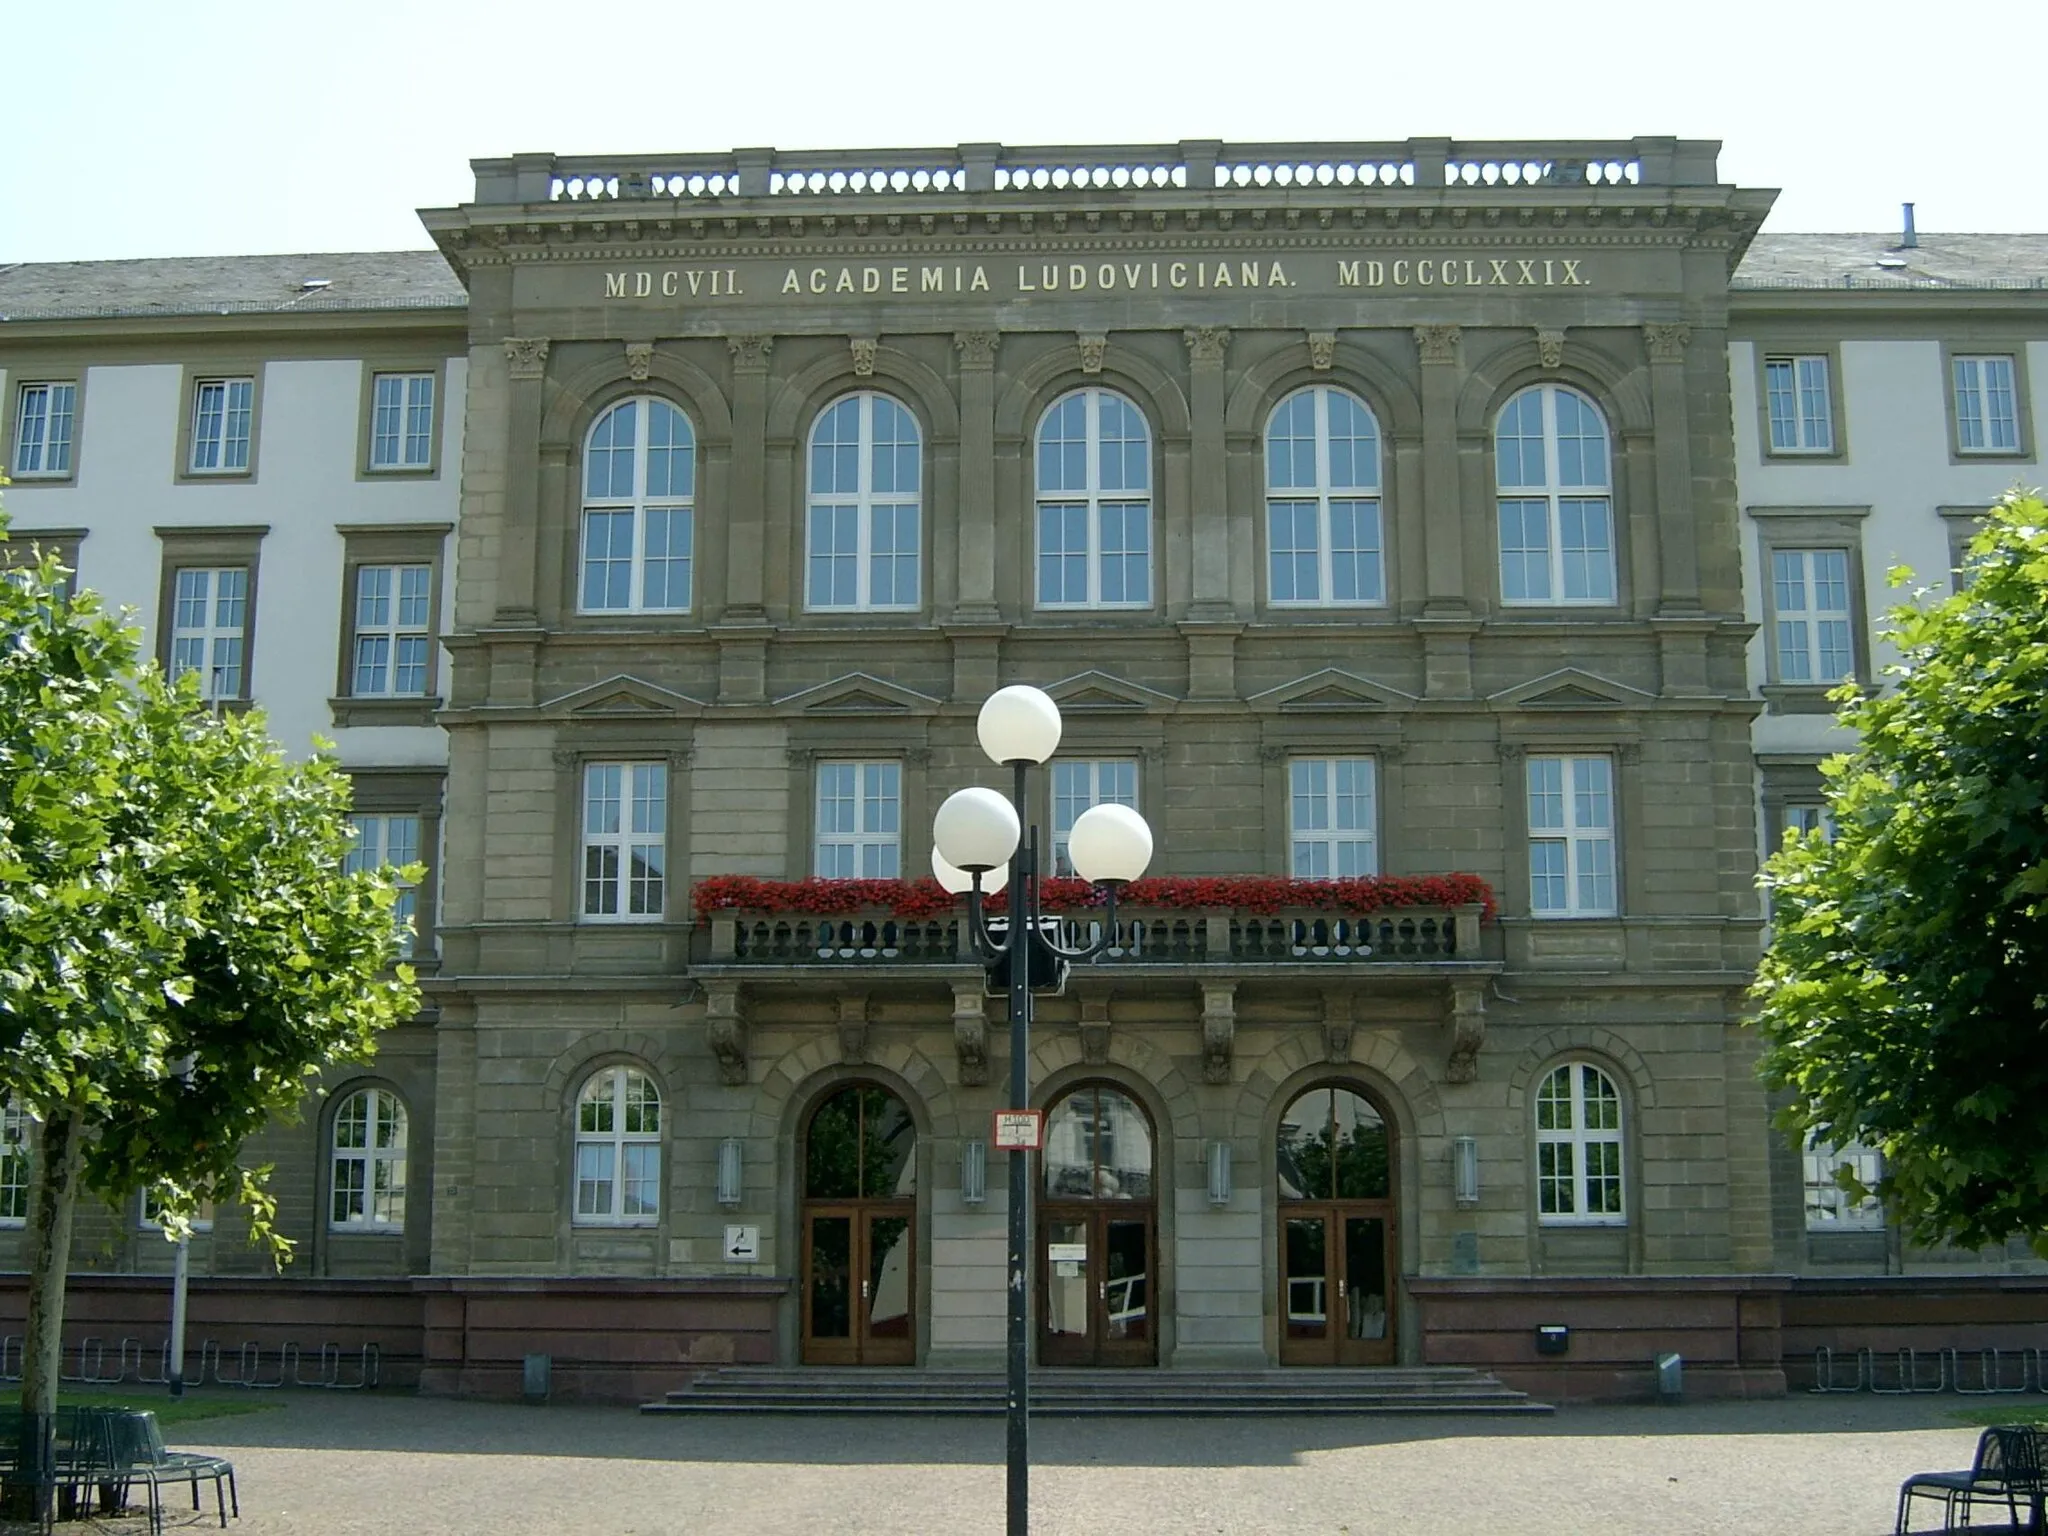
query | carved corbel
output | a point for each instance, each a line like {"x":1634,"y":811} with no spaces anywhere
{"x":863,"y":348}
{"x":1468,"y":1032}
{"x":1666,"y":342}
{"x":970,"y":1033}
{"x":1550,"y":348}
{"x":1207,"y":345}
{"x":853,"y":1027}
{"x":527,"y":355}
{"x":639,"y":360}
{"x":1336,"y":1026}
{"x":750,"y":353}
{"x":1091,"y":346}
{"x":725,"y":1027}
{"x":1219,"y":1029}
{"x":977,"y":348}
{"x":1322,"y":350}
{"x":1094,"y":1028}
{"x":1437,"y":343}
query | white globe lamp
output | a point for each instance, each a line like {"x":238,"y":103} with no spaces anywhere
{"x":1019,"y":724}
{"x":957,"y":882}
{"x":976,"y":830}
{"x":1109,"y":845}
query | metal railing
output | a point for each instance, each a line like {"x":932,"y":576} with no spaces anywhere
{"x":255,"y":1365}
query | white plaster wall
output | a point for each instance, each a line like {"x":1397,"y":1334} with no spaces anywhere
{"x":305,"y":484}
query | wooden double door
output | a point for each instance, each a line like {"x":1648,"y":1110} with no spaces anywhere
{"x":860,"y":1284}
{"x":1337,"y":1284}
{"x":1097,"y":1283}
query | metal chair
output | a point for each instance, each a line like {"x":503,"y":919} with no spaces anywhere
{"x":2007,"y":1470}
{"x":136,"y":1454}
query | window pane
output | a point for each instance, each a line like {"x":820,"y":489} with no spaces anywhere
{"x":607,"y":560}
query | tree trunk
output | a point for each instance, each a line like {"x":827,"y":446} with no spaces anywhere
{"x":53,"y":1197}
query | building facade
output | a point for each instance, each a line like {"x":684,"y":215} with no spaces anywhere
{"x":1412,"y":510}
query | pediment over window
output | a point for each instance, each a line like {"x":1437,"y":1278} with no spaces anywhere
{"x":622,"y":697}
{"x":1571,"y":688}
{"x":858,"y":693}
{"x":1093,"y":690}
{"x":1331,"y":689}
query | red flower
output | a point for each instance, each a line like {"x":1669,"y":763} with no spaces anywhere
{"x":1263,"y":894}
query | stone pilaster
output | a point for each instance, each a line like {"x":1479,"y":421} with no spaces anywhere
{"x":1677,"y":543}
{"x":526,"y":358}
{"x":1443,"y":520}
{"x":977,"y":525}
{"x":1207,"y":348}
{"x":747,"y":515}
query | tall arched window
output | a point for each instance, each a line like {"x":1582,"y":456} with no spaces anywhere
{"x":639,"y":492}
{"x":1556,"y":499}
{"x":1323,"y":541}
{"x":368,"y":1186}
{"x":618,"y":1149}
{"x":1578,"y":1148}
{"x":863,"y":550}
{"x":1094,"y":503}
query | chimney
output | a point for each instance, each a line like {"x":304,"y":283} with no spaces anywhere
{"x":1911,"y":238}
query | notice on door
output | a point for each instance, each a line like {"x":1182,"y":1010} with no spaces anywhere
{"x":1067,"y":1253}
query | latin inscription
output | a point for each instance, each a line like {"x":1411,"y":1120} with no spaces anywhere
{"x":1012,"y":280}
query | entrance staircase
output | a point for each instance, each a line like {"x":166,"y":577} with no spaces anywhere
{"x":1091,"y":1393}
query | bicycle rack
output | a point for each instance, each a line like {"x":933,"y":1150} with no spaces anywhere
{"x":1991,"y":1364}
{"x":1909,"y":1373}
{"x":209,"y":1360}
{"x":134,"y":1350}
{"x":330,"y":1377}
{"x":1824,"y":1371}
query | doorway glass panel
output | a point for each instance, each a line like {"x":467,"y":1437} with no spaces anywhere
{"x":889,"y":1275}
{"x":859,"y":1146}
{"x":1127,"y":1305}
{"x":1066,"y":1280}
{"x":1333,"y":1145}
{"x":1098,"y":1146}
{"x":831,"y":1277}
{"x":1308,"y":1312}
{"x":1365,"y":1274}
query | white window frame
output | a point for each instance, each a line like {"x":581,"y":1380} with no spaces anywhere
{"x":1326,"y":495}
{"x":410,"y":417}
{"x":616,"y":1147}
{"x":390,"y":839}
{"x":1801,"y":382}
{"x":872,"y":846}
{"x":866,"y":503}
{"x":1586,"y":784}
{"x":1808,"y":622}
{"x":623,"y":874}
{"x":1077,"y":784}
{"x":214,"y":434}
{"x":380,"y":1207}
{"x":1553,"y":495}
{"x":1973,"y":379}
{"x":1327,"y":825}
{"x":639,"y":507}
{"x":1808,"y":816}
{"x":213,"y":633}
{"x":1827,"y":1205}
{"x":150,"y":1217}
{"x":395,"y":622}
{"x":1092,"y":499}
{"x":17,"y":1146}
{"x":1566,"y":1178}
{"x":46,"y":454}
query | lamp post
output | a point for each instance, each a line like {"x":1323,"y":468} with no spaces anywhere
{"x":975,"y":833}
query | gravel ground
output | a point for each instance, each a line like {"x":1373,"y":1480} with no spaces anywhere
{"x":367,"y":1465}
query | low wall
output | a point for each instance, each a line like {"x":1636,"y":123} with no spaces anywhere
{"x":1922,"y":1313}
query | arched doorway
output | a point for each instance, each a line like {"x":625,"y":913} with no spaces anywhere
{"x":1335,"y":1163}
{"x":860,"y":1230}
{"x":1098,"y":1232}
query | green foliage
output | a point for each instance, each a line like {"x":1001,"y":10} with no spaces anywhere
{"x":180,"y":953}
{"x":1904,"y":997}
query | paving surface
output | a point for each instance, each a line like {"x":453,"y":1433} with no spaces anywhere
{"x":366,"y":1465}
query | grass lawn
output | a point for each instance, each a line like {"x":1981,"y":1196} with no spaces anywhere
{"x":172,"y":1410}
{"x":2011,"y":1413}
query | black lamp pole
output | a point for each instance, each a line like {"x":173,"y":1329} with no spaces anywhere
{"x":1019,"y":945}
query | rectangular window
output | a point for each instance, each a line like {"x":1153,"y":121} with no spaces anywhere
{"x":1798,"y":404}
{"x":1808,"y":818}
{"x":1987,"y":405}
{"x":209,"y":629}
{"x":1571,"y":837}
{"x":14,"y":1148}
{"x":43,"y":430}
{"x":402,"y":421}
{"x":637,"y":561}
{"x":1079,"y":784}
{"x":391,"y":630}
{"x":1096,"y":556}
{"x":625,"y":841}
{"x":390,"y":841}
{"x":1810,"y":606}
{"x":223,"y":412}
{"x":1332,"y":817}
{"x":859,"y":825}
{"x":1831,"y":1208}
{"x":153,"y":1214}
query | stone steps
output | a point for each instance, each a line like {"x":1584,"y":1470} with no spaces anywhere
{"x":1090,"y":1393}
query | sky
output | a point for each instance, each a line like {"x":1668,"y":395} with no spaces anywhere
{"x":139,"y":128}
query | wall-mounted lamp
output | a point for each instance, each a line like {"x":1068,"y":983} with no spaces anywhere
{"x":1465,"y":1169}
{"x":729,"y":1166}
{"x":973,"y":1172}
{"x":1219,"y":1173}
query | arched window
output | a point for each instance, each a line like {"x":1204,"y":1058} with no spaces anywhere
{"x":639,"y":490}
{"x":859,"y":1146}
{"x":368,"y":1187}
{"x":1333,"y":1145}
{"x":1323,"y":542}
{"x":1556,"y":499}
{"x":863,"y":548}
{"x":1098,"y":1146}
{"x":1094,"y":503}
{"x":618,"y":1149}
{"x":1578,"y":1148}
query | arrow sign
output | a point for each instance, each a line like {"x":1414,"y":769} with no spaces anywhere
{"x":743,"y":1245}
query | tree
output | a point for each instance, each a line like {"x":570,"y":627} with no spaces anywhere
{"x":180,"y":952}
{"x":1904,"y":996}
